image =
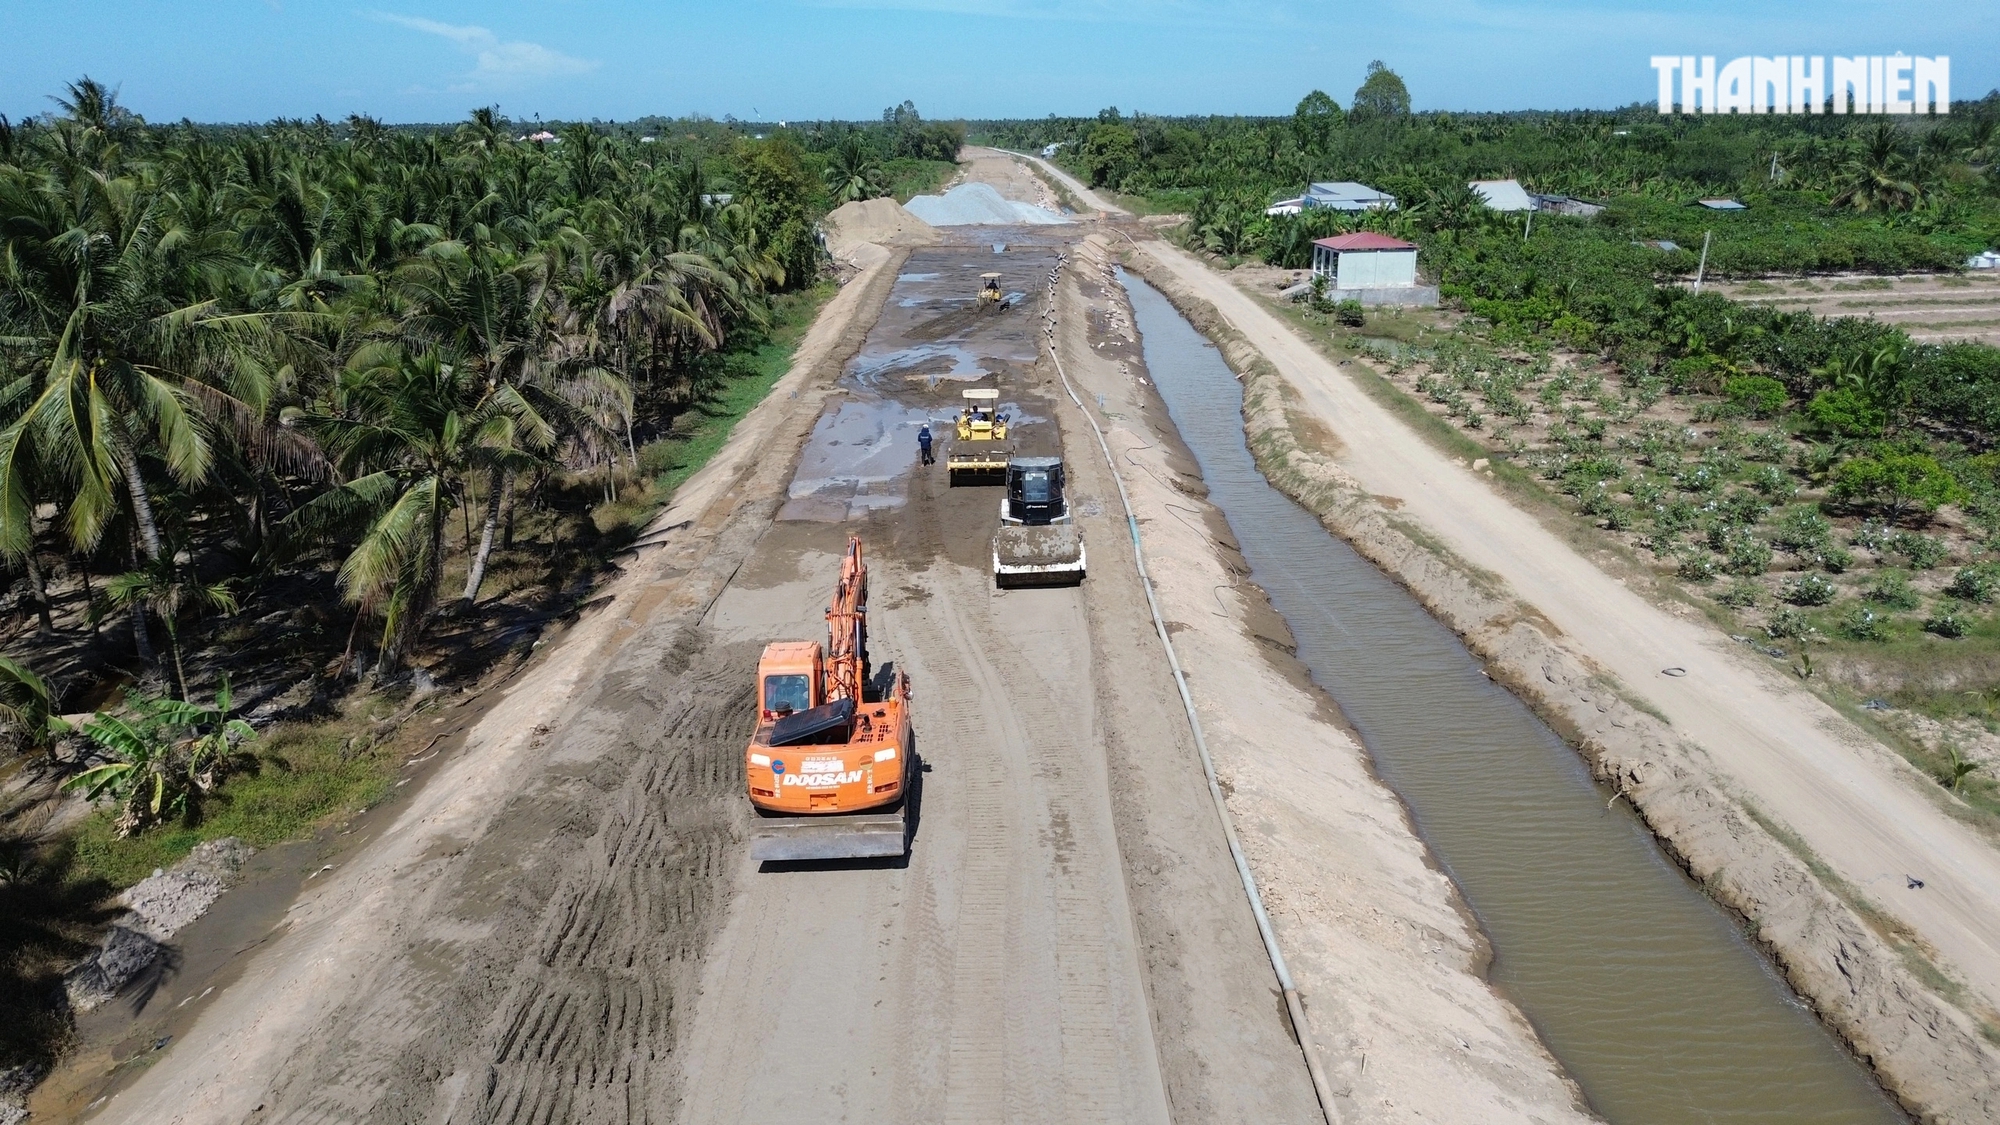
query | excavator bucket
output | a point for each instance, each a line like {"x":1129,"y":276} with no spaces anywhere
{"x":856,"y":836}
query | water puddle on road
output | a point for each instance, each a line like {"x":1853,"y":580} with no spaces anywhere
{"x":931,"y":343}
{"x":1650,"y":994}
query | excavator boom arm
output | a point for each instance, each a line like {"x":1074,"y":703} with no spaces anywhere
{"x":847,"y":628}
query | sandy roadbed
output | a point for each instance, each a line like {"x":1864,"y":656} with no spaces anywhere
{"x":1753,"y":783}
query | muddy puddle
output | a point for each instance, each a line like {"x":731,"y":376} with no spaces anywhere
{"x":1650,"y":995}
{"x":931,"y":344}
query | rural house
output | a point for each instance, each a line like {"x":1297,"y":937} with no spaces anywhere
{"x":1347,"y":196}
{"x":1503,"y":195}
{"x":1371,"y":268}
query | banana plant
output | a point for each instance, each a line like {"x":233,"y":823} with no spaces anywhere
{"x":166,"y":756}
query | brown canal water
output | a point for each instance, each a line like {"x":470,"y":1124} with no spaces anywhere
{"x":1649,"y":993}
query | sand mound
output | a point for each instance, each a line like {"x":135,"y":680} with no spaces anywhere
{"x":882,"y":222}
{"x":979,"y":205}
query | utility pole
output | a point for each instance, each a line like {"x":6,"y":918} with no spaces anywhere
{"x":1529,"y":229}
{"x":1703,"y":267}
{"x":1774,"y":167}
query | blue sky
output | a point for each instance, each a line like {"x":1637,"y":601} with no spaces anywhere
{"x":422,"y":60}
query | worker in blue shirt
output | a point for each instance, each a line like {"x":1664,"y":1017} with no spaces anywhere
{"x":924,"y":443}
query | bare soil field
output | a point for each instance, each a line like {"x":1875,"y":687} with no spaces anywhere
{"x":1932,"y":308}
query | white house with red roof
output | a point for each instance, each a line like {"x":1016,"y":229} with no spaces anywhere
{"x":1365,"y":260}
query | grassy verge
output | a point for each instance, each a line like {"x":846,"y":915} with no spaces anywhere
{"x":306,"y":777}
{"x":916,"y":177}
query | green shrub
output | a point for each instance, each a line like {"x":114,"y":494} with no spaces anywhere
{"x":1746,"y":554}
{"x":1923,"y":551}
{"x":1674,"y":517}
{"x":1696,"y":567}
{"x":1897,"y":482}
{"x":1863,"y":624}
{"x":1846,"y":412}
{"x":1979,"y":582}
{"x":1893,"y":591}
{"x":1742,"y":595}
{"x":1948,"y":622}
{"x":1695,"y":374}
{"x":1773,"y":483}
{"x":1802,"y":531}
{"x":1808,"y":589}
{"x":1832,"y":558}
{"x":1758,"y":396}
{"x":1790,"y":624}
{"x":1348,"y":313}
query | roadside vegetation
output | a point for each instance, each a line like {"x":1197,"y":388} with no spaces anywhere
{"x":1826,"y":488}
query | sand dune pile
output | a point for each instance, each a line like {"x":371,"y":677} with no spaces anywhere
{"x":857,"y":232}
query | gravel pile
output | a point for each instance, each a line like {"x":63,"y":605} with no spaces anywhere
{"x":970,"y":205}
{"x":155,"y":909}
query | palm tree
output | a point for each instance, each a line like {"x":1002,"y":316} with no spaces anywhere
{"x":1956,"y":770}
{"x":1880,"y":176}
{"x":164,"y":758}
{"x":169,"y":591}
{"x":27,"y":706}
{"x":852,"y":171}
{"x":405,"y":430}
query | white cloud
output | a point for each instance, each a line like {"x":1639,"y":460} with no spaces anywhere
{"x":495,"y":61}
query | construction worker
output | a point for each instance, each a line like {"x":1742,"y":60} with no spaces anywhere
{"x":924,"y":443}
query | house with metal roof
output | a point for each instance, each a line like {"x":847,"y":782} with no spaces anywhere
{"x":1371,"y":268}
{"x":1721,"y":204}
{"x":1567,"y":205}
{"x":1503,"y":195}
{"x":1346,"y":195}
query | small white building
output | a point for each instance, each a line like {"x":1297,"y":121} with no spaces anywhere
{"x":1503,"y":195}
{"x":1365,"y":260}
{"x":1989,"y":260}
{"x":1286,"y":207}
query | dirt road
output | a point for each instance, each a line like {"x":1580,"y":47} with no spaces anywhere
{"x":1005,"y":973}
{"x":1859,"y":808}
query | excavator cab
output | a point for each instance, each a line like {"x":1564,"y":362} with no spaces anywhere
{"x":788,"y":677}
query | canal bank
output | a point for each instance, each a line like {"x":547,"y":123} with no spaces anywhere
{"x":1930,"y":1053}
{"x":1650,"y":995}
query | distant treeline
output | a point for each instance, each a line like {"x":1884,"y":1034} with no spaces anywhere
{"x":1822,"y":194}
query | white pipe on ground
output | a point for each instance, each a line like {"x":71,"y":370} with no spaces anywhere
{"x":1293,"y":1009}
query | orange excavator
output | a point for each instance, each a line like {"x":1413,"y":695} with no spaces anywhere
{"x":829,"y":767}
